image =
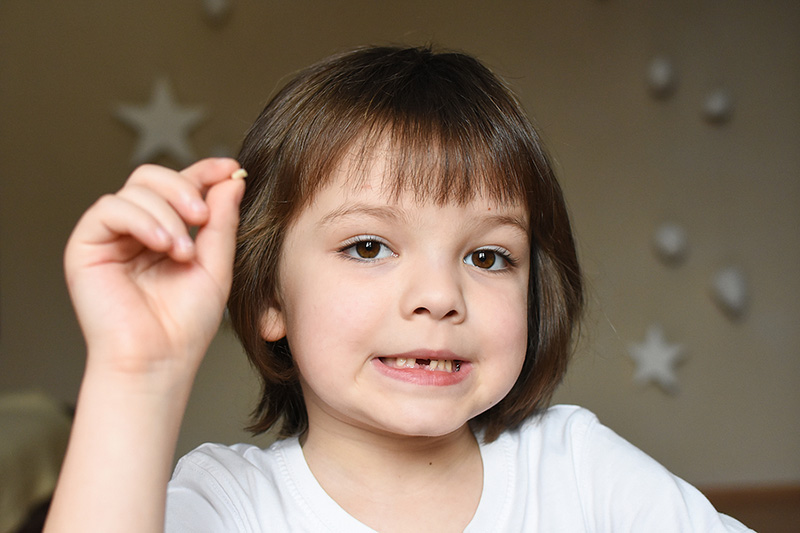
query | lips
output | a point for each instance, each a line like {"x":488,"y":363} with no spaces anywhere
{"x":425,"y":367}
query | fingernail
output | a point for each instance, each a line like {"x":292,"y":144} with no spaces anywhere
{"x":184,"y":243}
{"x":162,"y":236}
{"x":198,"y":206}
{"x":239,"y":174}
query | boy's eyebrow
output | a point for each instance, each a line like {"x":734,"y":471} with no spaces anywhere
{"x":516,"y":222}
{"x":382,"y":211}
{"x":395,"y":214}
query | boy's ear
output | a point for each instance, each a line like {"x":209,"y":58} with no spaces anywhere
{"x":273,"y":325}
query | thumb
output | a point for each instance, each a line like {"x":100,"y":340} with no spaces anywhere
{"x":216,"y":240}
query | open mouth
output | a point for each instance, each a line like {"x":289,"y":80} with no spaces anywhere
{"x":440,"y":365}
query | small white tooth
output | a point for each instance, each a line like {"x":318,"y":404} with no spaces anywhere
{"x":400,"y":362}
{"x":411,"y":363}
{"x":448,"y":365}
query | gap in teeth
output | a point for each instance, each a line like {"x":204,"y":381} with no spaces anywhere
{"x":444,"y":365}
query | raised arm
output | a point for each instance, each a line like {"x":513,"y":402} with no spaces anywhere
{"x":149,"y":300}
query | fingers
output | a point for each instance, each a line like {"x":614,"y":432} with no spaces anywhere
{"x":183,"y":190}
{"x":216,"y":240}
{"x":112,"y":216}
{"x":166,"y":216}
{"x":157,"y":206}
{"x":208,"y":172}
{"x":177,"y":199}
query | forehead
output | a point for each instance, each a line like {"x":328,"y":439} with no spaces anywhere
{"x":370,"y":186}
{"x":395,"y":172}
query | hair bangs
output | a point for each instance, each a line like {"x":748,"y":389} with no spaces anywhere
{"x":432,"y":164}
{"x":438,"y":148}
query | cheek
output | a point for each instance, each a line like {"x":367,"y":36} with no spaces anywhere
{"x":329,"y":314}
{"x":508,"y":327}
{"x":509,"y":313}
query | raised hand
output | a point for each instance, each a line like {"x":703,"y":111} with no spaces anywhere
{"x":149,"y":300}
{"x":148,"y":297}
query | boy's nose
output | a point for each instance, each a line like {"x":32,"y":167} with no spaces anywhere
{"x":434,"y":291}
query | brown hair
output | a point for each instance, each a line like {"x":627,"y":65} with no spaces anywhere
{"x":455,"y":130}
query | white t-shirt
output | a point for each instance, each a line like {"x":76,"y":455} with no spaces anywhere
{"x":560,"y":472}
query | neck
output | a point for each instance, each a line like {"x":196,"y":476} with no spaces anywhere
{"x":378,"y":477}
{"x":385,"y":455}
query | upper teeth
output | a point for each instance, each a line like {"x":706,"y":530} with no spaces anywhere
{"x":446,"y":365}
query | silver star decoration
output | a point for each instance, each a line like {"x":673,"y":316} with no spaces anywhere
{"x":163,"y":126}
{"x":655,"y":360}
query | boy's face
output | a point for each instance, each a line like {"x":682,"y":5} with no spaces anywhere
{"x":403,"y":317}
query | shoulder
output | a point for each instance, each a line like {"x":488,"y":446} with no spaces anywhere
{"x":221,"y":457}
{"x":560,"y":427}
{"x":562,"y":415}
{"x":596,"y":471}
{"x":221,"y":464}
{"x":218,"y":486}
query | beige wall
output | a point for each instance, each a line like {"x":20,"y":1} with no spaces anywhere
{"x":628,"y":163}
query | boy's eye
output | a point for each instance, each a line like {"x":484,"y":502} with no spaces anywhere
{"x":367,"y":249}
{"x":488,"y":259}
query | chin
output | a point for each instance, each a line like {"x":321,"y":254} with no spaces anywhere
{"x":417,"y":426}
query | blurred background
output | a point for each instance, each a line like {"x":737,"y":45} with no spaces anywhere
{"x":677,"y":112}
